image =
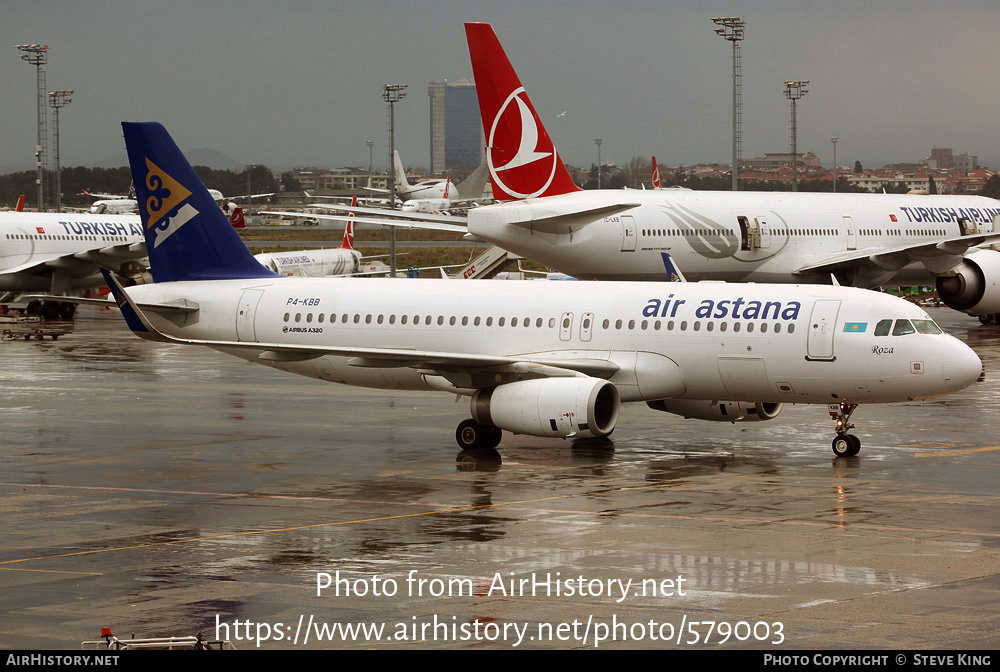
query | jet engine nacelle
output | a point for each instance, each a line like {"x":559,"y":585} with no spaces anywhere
{"x":975,"y":287}
{"x":719,"y":411}
{"x":581,"y":407}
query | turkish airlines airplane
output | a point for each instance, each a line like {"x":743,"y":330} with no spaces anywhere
{"x":544,"y":359}
{"x":861,"y":240}
{"x":61,"y":252}
{"x":343,"y":260}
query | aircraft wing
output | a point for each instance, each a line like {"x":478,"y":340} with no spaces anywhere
{"x":447,"y":364}
{"x":239,"y":198}
{"x":183,"y":306}
{"x":939,"y":256}
{"x":386,"y":212}
{"x":400,"y":223}
{"x":108,"y":256}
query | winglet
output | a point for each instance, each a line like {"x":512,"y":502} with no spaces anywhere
{"x":134,"y":318}
{"x":673,"y":273}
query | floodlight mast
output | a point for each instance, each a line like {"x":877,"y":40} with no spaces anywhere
{"x":598,"y":142}
{"x":36,"y":55}
{"x":731,"y":28}
{"x":834,"y":141}
{"x":392,"y":94}
{"x":794,"y":90}
{"x":58,"y":99}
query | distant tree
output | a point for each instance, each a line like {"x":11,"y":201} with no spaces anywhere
{"x":289,"y":183}
{"x":992,"y":187}
{"x":931,"y":185}
{"x":857,"y":167}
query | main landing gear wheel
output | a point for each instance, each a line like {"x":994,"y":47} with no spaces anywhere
{"x":473,"y":436}
{"x":844,"y":444}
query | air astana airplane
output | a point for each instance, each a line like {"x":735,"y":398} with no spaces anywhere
{"x":544,"y":359}
{"x":860,"y":240}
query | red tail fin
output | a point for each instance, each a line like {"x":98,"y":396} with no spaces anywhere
{"x":348,"y":242}
{"x":236,"y":219}
{"x":522,"y":159}
{"x":20,"y":203}
{"x":656,"y":175}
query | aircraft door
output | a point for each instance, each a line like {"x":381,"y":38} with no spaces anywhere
{"x":822,"y":328}
{"x":245,"y":314}
{"x":566,"y":326}
{"x":628,"y":233}
{"x":745,"y":378}
{"x":764,"y":232}
{"x":852,"y":233}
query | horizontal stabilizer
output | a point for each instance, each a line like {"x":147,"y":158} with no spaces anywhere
{"x":553,"y":223}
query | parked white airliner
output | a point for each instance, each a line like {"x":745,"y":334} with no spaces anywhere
{"x":61,"y":252}
{"x":861,"y":240}
{"x":544,"y":359}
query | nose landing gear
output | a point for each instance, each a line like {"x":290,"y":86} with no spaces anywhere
{"x":844,"y":444}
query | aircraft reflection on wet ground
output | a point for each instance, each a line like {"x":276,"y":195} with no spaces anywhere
{"x":155,"y":489}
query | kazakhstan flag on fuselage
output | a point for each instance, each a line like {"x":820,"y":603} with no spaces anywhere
{"x":856,"y":327}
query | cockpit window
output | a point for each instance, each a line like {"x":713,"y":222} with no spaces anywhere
{"x":926,"y":327}
{"x":883,"y":327}
{"x":902,"y":328}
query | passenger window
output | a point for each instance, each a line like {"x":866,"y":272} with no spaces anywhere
{"x":791,"y":328}
{"x":489,"y":321}
{"x":902,"y":328}
{"x":631,"y":324}
{"x":476,"y":321}
{"x":926,"y":327}
{"x":501,"y":321}
{"x":618,"y":324}
{"x":883,"y":327}
{"x":513,"y":321}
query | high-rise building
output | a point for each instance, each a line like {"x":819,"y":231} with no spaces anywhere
{"x":456,"y":129}
{"x":942,"y":156}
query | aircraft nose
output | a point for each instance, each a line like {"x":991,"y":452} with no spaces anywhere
{"x":961,"y":365}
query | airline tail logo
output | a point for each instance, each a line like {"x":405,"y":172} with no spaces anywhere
{"x":516,"y":126}
{"x":166,"y":194}
{"x":348,"y":242}
{"x":656,"y":175}
{"x":237,"y":219}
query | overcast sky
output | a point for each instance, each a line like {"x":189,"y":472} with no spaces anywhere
{"x":300,"y":82}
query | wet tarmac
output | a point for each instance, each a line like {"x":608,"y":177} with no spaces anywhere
{"x":169,"y":490}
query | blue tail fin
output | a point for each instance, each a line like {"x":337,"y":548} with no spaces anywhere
{"x":188,"y":237}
